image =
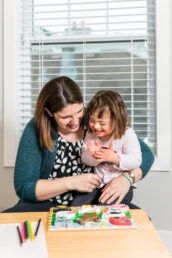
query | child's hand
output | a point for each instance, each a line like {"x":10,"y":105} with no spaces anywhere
{"x":107,"y":155}
{"x":93,"y":147}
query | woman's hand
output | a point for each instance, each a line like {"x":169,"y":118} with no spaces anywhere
{"x":116,"y":189}
{"x":84,"y":182}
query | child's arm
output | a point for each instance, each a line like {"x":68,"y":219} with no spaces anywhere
{"x":130,"y":157}
{"x":88,"y":149}
{"x":105,"y":154}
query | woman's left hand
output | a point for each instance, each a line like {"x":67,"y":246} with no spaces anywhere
{"x":116,"y":189}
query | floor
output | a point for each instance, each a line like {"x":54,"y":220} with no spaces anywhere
{"x":166,"y":237}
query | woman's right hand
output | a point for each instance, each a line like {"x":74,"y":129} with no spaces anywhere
{"x":84,"y":182}
{"x":46,"y":189}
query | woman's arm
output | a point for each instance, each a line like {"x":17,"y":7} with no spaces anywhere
{"x":147,"y":161}
{"x":28,"y":163}
{"x":32,"y":168}
{"x":46,"y":189}
{"x":147,"y":158}
{"x":118,"y":187}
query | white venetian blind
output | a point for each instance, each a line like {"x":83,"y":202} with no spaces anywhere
{"x":98,"y":43}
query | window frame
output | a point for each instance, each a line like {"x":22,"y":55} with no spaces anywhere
{"x":9,"y":68}
{"x":163,"y":156}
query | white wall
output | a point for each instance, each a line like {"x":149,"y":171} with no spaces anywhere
{"x":154,"y":193}
{"x":7,"y":194}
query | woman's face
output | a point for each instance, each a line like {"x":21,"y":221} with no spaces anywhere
{"x":69,"y":118}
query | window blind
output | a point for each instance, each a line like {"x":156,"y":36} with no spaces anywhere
{"x":101,"y":44}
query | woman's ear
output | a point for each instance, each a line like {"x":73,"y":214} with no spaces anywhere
{"x":48,"y":112}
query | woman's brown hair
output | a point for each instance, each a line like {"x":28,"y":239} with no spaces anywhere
{"x":112,"y":102}
{"x":54,"y":96}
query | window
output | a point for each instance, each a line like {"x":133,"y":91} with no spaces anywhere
{"x":100,"y":44}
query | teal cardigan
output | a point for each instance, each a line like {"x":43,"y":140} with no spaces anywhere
{"x":34,"y":163}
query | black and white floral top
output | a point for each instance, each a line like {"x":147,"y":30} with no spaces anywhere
{"x":67,"y":163}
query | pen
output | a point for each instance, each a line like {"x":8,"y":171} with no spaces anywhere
{"x":32,"y":236}
{"x":37,"y":227}
{"x":23,"y":231}
{"x":27,"y":229}
{"x":19,"y":234}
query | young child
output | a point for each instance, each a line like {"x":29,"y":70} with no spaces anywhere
{"x":111,"y":145}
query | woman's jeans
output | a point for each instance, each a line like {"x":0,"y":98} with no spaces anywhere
{"x":79,"y":199}
{"x":93,"y":197}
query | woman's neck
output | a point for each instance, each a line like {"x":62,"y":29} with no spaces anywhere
{"x":73,"y":136}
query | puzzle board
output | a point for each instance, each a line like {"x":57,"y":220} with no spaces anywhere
{"x":90,"y":217}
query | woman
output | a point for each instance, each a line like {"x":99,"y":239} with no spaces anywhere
{"x":48,"y":169}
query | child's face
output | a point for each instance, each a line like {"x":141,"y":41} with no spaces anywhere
{"x":102,"y":127}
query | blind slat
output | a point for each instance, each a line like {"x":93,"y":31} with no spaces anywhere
{"x":100,"y":44}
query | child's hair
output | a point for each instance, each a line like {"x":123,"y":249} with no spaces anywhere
{"x":54,"y":96}
{"x":112,"y":102}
